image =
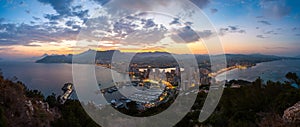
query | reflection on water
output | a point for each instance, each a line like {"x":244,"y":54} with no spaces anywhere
{"x":45,"y":77}
{"x":50,"y":77}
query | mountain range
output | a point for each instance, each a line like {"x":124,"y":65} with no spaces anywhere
{"x":152,"y":58}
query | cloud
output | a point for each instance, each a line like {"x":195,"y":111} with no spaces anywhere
{"x":146,"y":36}
{"x":5,"y":49}
{"x":175,"y":22}
{"x":213,"y":10}
{"x":32,"y":45}
{"x":52,"y":23}
{"x":21,"y":3}
{"x":36,"y":18}
{"x":69,"y":23}
{"x":79,"y":7}
{"x":259,"y":17}
{"x":188,"y":23}
{"x":124,"y":7}
{"x":271,"y":32}
{"x":99,"y":27}
{"x":231,"y":29}
{"x":295,"y":28}
{"x":201,"y":3}
{"x":27,"y":11}
{"x":52,"y":17}
{"x":77,"y":27}
{"x":62,"y":7}
{"x":101,"y":2}
{"x":136,"y":30}
{"x":264,"y":22}
{"x":188,"y":35}
{"x":261,"y":36}
{"x":234,"y":28}
{"x":130,"y":30}
{"x":275,"y":8}
{"x":276,"y":48}
{"x":81,"y":14}
{"x":123,"y":28}
{"x":149,"y":23}
{"x":137,"y":5}
{"x":64,"y":25}
{"x":139,"y":31}
{"x":24,"y":34}
{"x":205,"y":33}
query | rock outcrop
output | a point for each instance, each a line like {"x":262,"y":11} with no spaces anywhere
{"x":292,"y":114}
{"x":19,"y":110}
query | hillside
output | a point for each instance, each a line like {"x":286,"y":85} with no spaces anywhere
{"x":20,"y":107}
{"x":253,"y":104}
{"x":154,"y":59}
{"x":56,"y":59}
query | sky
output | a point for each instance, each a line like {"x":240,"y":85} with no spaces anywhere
{"x":31,"y":28}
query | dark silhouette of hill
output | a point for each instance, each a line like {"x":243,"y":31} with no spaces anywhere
{"x":20,"y":107}
{"x":155,"y":59}
{"x":253,"y":104}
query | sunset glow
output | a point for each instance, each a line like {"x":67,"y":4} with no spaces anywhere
{"x":53,"y":30}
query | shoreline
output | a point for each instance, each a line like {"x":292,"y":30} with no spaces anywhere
{"x":224,"y":70}
{"x":225,"y":73}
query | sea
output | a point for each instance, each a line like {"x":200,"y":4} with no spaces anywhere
{"x":273,"y":71}
{"x":49,"y":78}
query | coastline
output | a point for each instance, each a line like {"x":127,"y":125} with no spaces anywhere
{"x":266,"y":74}
{"x":224,"y":70}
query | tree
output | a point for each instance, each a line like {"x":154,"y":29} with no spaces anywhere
{"x":292,"y":76}
{"x":3,"y":121}
{"x":52,"y":101}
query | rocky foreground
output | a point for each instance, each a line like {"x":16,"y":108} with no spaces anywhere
{"x":292,"y":114}
{"x":273,"y":104}
{"x":22,"y":108}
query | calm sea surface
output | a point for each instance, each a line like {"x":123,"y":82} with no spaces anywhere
{"x":45,"y":77}
{"x":275,"y":71}
{"x":50,"y":77}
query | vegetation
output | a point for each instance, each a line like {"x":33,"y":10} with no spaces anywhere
{"x":73,"y":115}
{"x":256,"y":104}
{"x":20,"y":107}
{"x":253,"y":104}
